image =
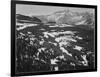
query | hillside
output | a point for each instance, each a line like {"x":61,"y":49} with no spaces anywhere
{"x":25,"y":19}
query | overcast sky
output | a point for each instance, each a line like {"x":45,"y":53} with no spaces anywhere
{"x":44,"y":10}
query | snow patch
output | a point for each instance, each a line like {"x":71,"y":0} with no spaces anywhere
{"x":65,"y":51}
{"x":56,"y":68}
{"x":53,"y":61}
{"x":41,"y":42}
{"x":85,"y":62}
{"x":79,"y":37}
{"x":78,"y":48}
{"x":25,"y":26}
{"x":42,"y":29}
{"x":61,"y":57}
{"x":65,"y":38}
{"x":62,"y":25}
{"x":47,"y":34}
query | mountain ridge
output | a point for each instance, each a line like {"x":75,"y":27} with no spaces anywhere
{"x":64,"y":17}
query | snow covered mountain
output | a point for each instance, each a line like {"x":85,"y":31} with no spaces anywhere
{"x":82,"y":20}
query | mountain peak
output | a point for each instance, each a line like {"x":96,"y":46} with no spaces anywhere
{"x":64,"y":11}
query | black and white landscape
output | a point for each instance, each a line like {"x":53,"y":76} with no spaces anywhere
{"x":57,"y":41}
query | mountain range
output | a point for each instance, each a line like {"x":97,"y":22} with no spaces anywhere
{"x":62,"y":17}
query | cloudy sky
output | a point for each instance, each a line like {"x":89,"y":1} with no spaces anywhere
{"x":44,"y":10}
